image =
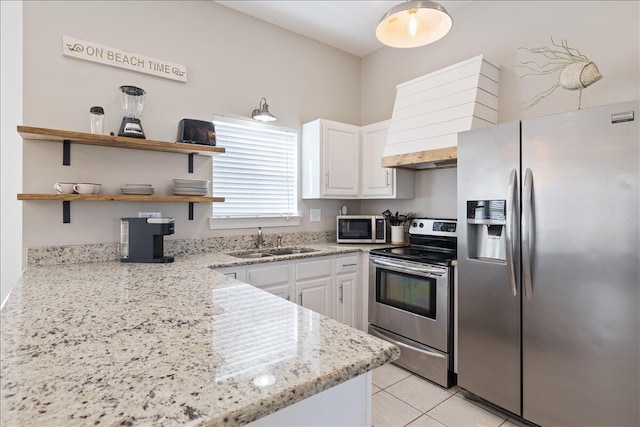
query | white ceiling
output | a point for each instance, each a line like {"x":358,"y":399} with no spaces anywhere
{"x":349,"y":25}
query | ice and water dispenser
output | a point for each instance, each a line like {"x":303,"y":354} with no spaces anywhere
{"x":486,"y":229}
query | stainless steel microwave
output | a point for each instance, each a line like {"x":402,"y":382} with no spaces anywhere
{"x":361,"y":229}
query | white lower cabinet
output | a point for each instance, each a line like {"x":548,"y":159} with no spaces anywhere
{"x":347,"y":404}
{"x":273,"y":278}
{"x":313,"y":284}
{"x":316,"y":295}
{"x":283,"y":291}
{"x":363,"y":293}
{"x":347,"y":285}
{"x":328,"y":285}
{"x":238,"y":273}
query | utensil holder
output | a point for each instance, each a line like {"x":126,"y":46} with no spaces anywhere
{"x":397,"y":234}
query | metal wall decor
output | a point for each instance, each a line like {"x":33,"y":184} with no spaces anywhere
{"x":576,"y":70}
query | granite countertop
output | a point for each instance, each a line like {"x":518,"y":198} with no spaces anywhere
{"x":224,"y":259}
{"x":107,"y":343}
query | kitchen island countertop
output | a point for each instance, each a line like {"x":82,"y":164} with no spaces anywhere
{"x":175,"y":344}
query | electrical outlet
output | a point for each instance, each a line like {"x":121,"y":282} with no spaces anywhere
{"x":149,"y":214}
{"x":315,"y":215}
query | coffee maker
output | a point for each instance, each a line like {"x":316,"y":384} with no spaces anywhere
{"x":141,"y":239}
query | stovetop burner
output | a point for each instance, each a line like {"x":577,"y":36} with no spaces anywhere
{"x":410,"y":253}
{"x":432,"y":241}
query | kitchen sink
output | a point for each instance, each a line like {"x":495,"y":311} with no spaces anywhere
{"x":252,"y":255}
{"x":264,"y":253}
{"x":290,"y":251}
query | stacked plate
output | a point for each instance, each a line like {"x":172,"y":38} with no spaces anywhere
{"x":140,"y":189}
{"x":190,"y":187}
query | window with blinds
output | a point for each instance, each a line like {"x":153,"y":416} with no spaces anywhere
{"x":256,"y":175}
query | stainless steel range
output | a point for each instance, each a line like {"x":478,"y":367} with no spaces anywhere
{"x":411,"y":298}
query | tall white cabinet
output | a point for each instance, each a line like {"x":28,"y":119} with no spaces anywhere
{"x":343,"y":161}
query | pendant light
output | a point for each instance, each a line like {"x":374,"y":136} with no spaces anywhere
{"x":414,"y":24}
{"x":262,"y":112}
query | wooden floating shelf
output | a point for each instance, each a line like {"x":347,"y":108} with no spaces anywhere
{"x":54,"y":135}
{"x":439,"y":158}
{"x":66,"y":200}
{"x":68,"y":137}
{"x":118,"y":198}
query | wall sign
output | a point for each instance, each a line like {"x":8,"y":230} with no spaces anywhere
{"x":94,"y":52}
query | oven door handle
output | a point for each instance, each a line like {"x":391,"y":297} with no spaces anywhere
{"x":429,"y":270}
{"x":380,"y":335}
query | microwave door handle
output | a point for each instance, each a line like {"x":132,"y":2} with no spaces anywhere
{"x":511,"y":196}
{"x":527,"y":232}
{"x":437,"y":271}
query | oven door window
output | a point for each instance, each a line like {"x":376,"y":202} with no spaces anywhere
{"x":355,"y":229}
{"x":405,"y":291}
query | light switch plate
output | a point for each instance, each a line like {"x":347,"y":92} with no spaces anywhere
{"x":315,"y":215}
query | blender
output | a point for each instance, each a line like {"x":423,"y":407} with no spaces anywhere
{"x":132,"y":104}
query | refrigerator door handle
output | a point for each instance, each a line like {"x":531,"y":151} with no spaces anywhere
{"x":527,"y":232}
{"x":511,"y":201}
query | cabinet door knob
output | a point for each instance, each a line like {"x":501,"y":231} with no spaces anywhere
{"x":341,"y":293}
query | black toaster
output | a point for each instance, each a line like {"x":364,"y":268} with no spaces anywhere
{"x":196,"y":132}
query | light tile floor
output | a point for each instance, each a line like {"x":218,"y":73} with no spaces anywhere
{"x":401,"y":398}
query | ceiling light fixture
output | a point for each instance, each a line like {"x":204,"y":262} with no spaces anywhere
{"x":414,"y":24}
{"x":262,"y":112}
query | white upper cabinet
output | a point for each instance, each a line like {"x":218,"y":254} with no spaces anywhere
{"x":343,"y":161}
{"x":379,"y":182}
{"x":330,"y":160}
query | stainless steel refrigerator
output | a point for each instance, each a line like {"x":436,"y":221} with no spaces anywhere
{"x":549,"y":266}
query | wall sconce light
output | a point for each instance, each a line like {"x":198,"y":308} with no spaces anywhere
{"x":413,"y":24}
{"x":262,"y":112}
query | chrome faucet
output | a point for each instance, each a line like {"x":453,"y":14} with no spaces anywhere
{"x":279,"y":241}
{"x":259,"y":237}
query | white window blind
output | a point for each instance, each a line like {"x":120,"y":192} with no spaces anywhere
{"x":257,"y":173}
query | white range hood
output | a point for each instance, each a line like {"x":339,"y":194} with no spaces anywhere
{"x":430,"y":111}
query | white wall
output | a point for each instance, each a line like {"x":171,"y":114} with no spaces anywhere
{"x":605,"y":31}
{"x":233,"y":60}
{"x":10,"y":144}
